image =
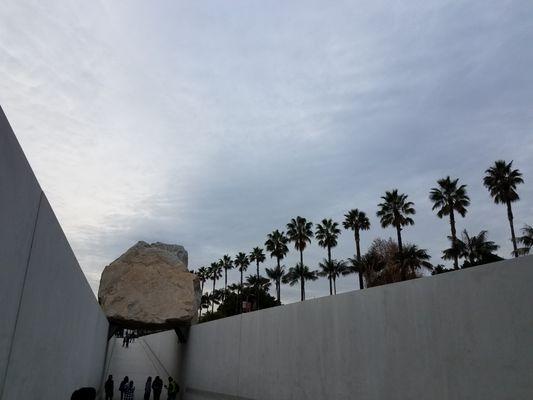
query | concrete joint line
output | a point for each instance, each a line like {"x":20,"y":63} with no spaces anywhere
{"x":21,"y":296}
{"x":214,"y":395}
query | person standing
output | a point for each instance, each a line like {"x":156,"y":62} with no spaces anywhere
{"x":109,"y":388}
{"x":172,"y":389}
{"x":129,"y":393}
{"x":123,"y":386}
{"x":157,"y":387}
{"x":148,"y":388}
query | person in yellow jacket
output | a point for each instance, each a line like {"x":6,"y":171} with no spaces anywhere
{"x":172,"y":389}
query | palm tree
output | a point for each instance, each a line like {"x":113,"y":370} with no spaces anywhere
{"x":258,"y":256}
{"x":448,"y":198}
{"x":227,"y":264}
{"x":255,"y":282}
{"x":241,"y":262}
{"x":203,"y":275}
{"x":526,"y":239}
{"x":215,"y":273}
{"x":276,"y":274}
{"x":394,"y":211}
{"x":357,"y":221}
{"x":327,"y":233}
{"x":501,"y":181}
{"x":300,"y":232}
{"x":363,"y":266}
{"x":300,"y":273}
{"x":414,"y":258}
{"x":276,"y":245}
{"x":327,"y":269}
{"x":476,"y":250}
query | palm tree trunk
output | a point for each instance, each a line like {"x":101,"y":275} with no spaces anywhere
{"x":278,"y":282}
{"x":225,"y":282}
{"x":358,"y":255}
{"x":302,"y":283}
{"x":257,"y":288}
{"x":240,"y":296}
{"x":201,"y":297}
{"x":513,"y":237}
{"x":213,"y":299}
{"x":454,"y":240}
{"x":400,"y":251}
{"x":335,"y":285}
{"x":399,"y":234}
{"x":330,"y":286}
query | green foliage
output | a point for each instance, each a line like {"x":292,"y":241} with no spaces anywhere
{"x":232,"y":302}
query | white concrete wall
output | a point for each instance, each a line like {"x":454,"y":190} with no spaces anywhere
{"x":53,"y":333}
{"x":461,"y":335}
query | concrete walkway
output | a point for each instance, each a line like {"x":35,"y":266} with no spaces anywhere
{"x":137,"y":362}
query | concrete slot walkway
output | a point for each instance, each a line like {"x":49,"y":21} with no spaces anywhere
{"x":137,"y":362}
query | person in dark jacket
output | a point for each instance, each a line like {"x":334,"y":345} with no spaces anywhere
{"x":123,"y":386}
{"x":85,"y":393}
{"x":157,"y":387}
{"x":109,"y":388}
{"x":148,"y":388}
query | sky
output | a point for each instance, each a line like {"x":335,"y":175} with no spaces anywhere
{"x":210,"y":124}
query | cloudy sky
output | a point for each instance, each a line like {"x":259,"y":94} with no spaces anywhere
{"x":212,"y":123}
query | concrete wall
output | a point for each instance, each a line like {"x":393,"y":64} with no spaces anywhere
{"x":166,"y":353}
{"x":461,"y":335}
{"x":53,"y":333}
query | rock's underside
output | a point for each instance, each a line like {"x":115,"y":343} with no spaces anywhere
{"x":150,"y":287}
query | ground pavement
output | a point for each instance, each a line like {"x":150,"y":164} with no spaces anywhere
{"x":137,"y":362}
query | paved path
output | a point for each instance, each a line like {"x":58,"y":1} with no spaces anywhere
{"x":137,"y":362}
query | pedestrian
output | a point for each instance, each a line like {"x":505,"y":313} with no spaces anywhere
{"x":124,"y":340}
{"x":148,"y":388}
{"x":157,"y":387}
{"x":129,"y":392}
{"x":85,"y":393}
{"x":109,"y":388}
{"x":122,"y":387}
{"x":127,"y":340}
{"x":172,"y":389}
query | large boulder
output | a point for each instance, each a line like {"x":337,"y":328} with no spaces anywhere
{"x":150,"y":287}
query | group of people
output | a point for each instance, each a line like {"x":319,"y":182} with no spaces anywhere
{"x":127,"y":339}
{"x":127,"y":388}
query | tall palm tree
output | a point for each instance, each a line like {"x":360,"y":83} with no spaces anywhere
{"x":258,"y":256}
{"x":501,"y":181}
{"x":327,"y":269}
{"x":241,"y":262}
{"x":526,"y":239}
{"x":357,"y":221}
{"x":227,"y":264}
{"x":276,"y":274}
{"x":449,"y":198}
{"x":327,"y":233}
{"x":340,"y":266}
{"x":276,"y":245}
{"x":203,"y":275}
{"x":215,"y":273}
{"x":300,"y":232}
{"x":300,"y":273}
{"x":394,"y":211}
{"x":475,"y":249}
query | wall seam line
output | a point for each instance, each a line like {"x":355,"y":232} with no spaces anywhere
{"x":21,"y":296}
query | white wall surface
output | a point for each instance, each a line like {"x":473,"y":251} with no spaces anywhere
{"x":53,"y":333}
{"x":461,"y":335}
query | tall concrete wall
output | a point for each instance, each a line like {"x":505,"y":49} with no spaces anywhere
{"x":53,"y":333}
{"x":461,"y":335}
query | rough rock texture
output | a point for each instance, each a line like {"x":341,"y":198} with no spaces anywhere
{"x":149,"y":286}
